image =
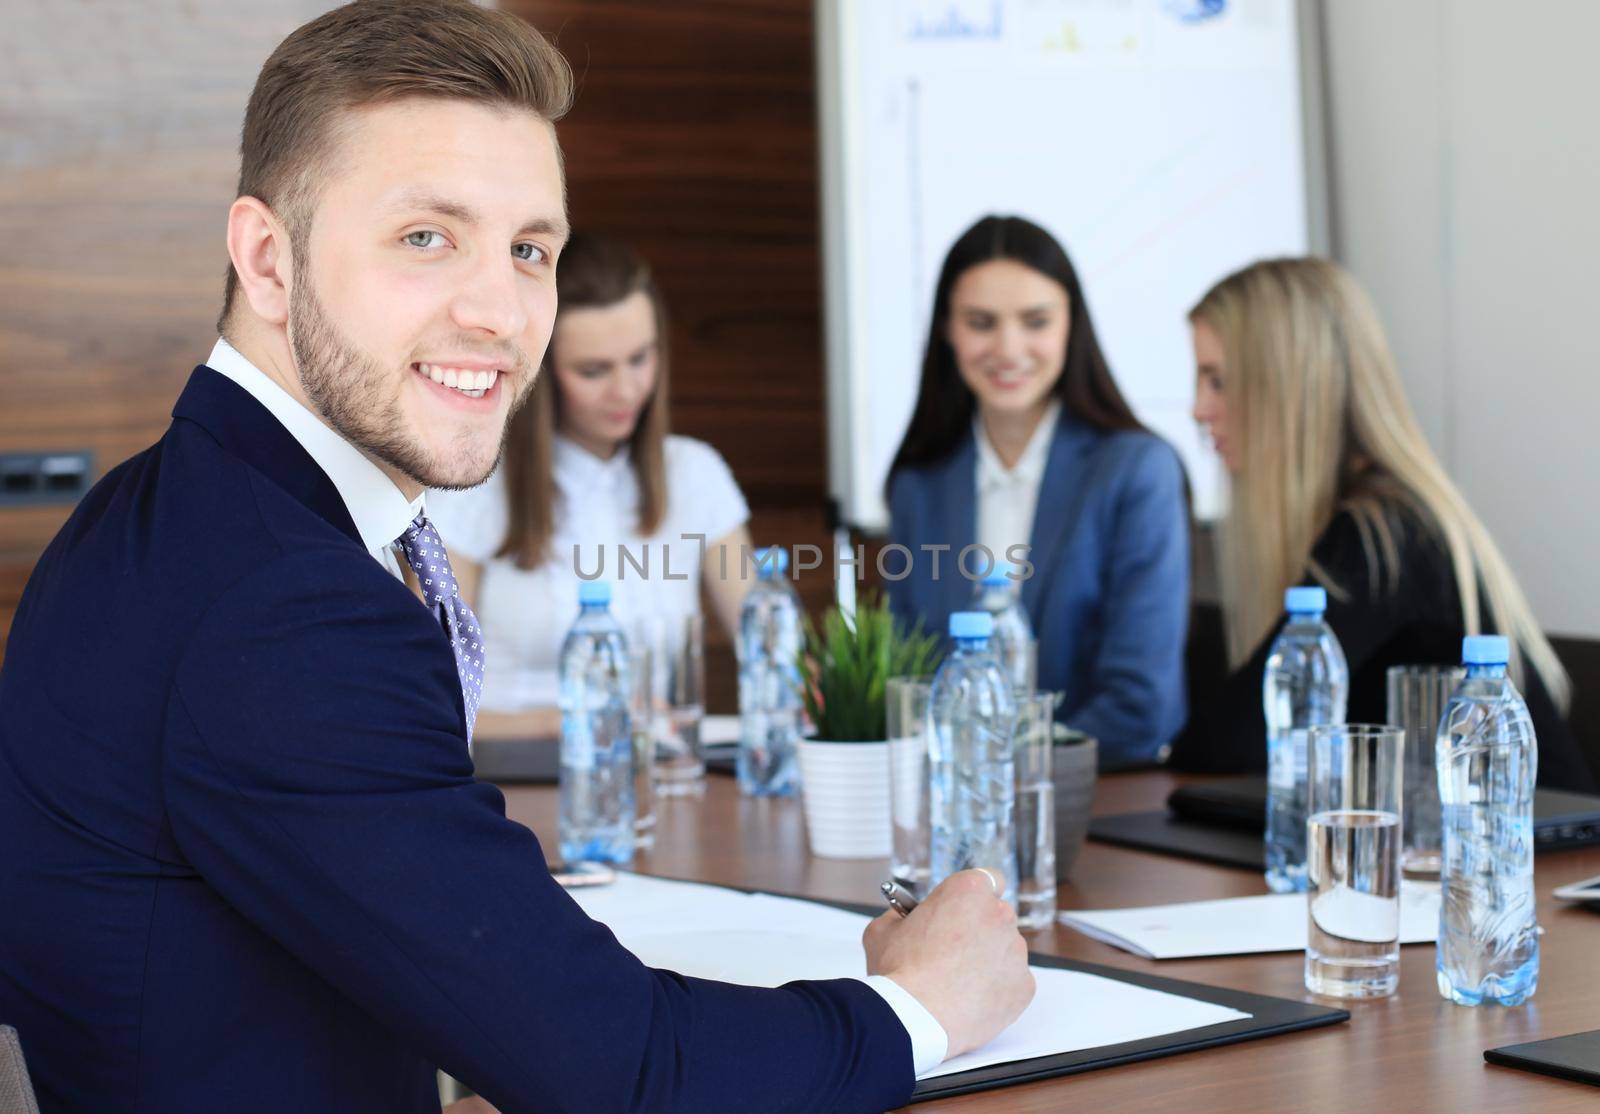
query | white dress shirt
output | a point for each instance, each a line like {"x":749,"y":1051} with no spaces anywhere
{"x":1009,"y":497}
{"x":525,"y":612}
{"x":381,"y":514}
{"x":377,"y":507}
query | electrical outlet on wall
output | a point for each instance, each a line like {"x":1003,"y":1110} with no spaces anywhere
{"x":32,"y":479}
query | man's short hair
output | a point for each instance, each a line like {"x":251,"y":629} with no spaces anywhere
{"x":367,"y":53}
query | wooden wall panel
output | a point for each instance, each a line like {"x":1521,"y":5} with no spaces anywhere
{"x":119,"y":125}
{"x":121,"y":122}
{"x":693,"y":139}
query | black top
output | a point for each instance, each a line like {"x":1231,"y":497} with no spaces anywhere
{"x":1408,"y":616}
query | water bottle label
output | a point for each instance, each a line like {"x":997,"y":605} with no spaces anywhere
{"x":577,"y":748}
{"x":1286,"y":758}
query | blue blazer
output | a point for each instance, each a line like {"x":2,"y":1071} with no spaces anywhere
{"x":246,"y":865}
{"x":1109,"y":594}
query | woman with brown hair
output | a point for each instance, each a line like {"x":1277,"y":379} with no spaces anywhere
{"x":1333,"y":483}
{"x":590,"y":471}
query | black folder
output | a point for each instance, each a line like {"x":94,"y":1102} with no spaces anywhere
{"x":1221,"y":820}
{"x":1576,"y":1057}
{"x":538,"y":761}
{"x":721,"y":758}
{"x":1167,"y":834}
{"x":1269,"y":1017}
{"x":1561,"y":818}
{"x":517,"y":760}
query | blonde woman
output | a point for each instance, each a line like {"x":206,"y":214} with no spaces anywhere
{"x":1333,"y":483}
{"x":589,"y":467}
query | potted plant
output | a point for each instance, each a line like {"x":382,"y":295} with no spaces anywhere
{"x":844,"y":764}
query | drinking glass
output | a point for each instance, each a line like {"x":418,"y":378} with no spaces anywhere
{"x":680,"y":669}
{"x":1353,"y":860}
{"x":1035,"y":817}
{"x":906,"y":700}
{"x":642,"y":710}
{"x":1028,"y":684}
{"x":1417,"y":697}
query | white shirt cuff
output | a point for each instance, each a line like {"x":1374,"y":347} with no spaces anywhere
{"x":929,"y":1042}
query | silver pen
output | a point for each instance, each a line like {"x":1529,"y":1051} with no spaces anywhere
{"x":898,"y":897}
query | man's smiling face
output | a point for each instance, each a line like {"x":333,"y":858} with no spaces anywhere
{"x":424,"y":289}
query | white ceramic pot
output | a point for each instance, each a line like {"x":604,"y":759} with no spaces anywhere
{"x":845,"y":791}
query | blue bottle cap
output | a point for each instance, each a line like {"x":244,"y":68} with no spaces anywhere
{"x":593,"y":592}
{"x":1305,"y":601}
{"x":971,"y":624}
{"x":771,"y":561}
{"x":1485,"y":649}
{"x":1000,"y":575}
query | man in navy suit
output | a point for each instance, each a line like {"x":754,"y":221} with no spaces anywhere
{"x":247,"y":865}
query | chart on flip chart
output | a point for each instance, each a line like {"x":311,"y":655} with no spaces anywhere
{"x":1164,"y":142}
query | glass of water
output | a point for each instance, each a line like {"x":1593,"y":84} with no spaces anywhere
{"x":1035,"y":819}
{"x":642,"y":711}
{"x":1353,"y":860}
{"x":680,"y":768}
{"x":906,"y":711}
{"x":1417,"y":698}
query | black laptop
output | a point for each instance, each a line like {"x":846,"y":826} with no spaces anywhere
{"x":1560,"y":819}
{"x":517,"y":760}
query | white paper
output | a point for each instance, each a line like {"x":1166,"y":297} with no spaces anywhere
{"x":1073,"y":1010}
{"x":765,"y":940}
{"x":717,"y":731}
{"x":1247,"y":925}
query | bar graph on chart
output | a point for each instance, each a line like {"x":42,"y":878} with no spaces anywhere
{"x":946,"y":20}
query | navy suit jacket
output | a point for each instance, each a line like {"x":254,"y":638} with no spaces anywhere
{"x":1109,"y":594}
{"x":246,"y":864}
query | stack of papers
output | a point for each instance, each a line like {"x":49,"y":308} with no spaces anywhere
{"x":1247,"y":925}
{"x":762,"y":940}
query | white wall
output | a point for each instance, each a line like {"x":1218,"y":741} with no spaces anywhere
{"x":1465,"y":159}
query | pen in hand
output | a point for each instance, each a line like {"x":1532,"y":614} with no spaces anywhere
{"x":898,"y":897}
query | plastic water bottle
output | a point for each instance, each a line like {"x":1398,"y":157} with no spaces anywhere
{"x":1012,"y":640}
{"x":769,"y":681}
{"x":1488,"y":763}
{"x":972,"y":784}
{"x":1306,"y":685}
{"x":596,"y":738}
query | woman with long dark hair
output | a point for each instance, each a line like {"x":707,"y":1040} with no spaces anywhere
{"x":1021,"y":444}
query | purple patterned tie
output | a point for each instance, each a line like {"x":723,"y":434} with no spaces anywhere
{"x":425,"y":554}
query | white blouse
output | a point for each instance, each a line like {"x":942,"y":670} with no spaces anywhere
{"x":525,"y":613}
{"x":1008,"y":498}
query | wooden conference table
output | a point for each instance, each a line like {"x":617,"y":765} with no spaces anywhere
{"x":1413,"y":1052}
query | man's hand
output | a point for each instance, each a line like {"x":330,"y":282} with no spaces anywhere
{"x":959,"y":953}
{"x":474,"y":1105}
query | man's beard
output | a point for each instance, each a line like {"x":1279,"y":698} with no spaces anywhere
{"x":358,"y":399}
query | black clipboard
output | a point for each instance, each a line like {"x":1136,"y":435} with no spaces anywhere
{"x":1162,"y":832}
{"x":538,"y":761}
{"x":1269,"y":1017}
{"x":721,"y":758}
{"x":1575,"y":1057}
